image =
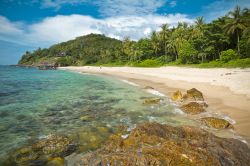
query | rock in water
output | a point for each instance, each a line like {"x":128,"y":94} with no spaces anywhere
{"x":148,"y":87}
{"x":192,"y":108}
{"x":177,"y":96}
{"x":193,"y":94}
{"x":152,"y":101}
{"x":43,"y":151}
{"x":156,"y":144}
{"x":216,"y":123}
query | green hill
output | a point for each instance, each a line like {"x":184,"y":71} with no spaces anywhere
{"x":89,"y":49}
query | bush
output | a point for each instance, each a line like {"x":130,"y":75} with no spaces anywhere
{"x":228,"y":55}
{"x":149,"y":63}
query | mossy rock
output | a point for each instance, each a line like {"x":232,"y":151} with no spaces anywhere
{"x":177,"y":96}
{"x":25,"y":154}
{"x":193,"y":108}
{"x":56,"y":161}
{"x":217,"y":123}
{"x":156,"y":144}
{"x":152,"y":101}
{"x":193,"y":94}
{"x":42,"y":150}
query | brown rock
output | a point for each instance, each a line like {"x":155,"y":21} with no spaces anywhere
{"x":192,"y":108}
{"x":152,"y":101}
{"x":148,"y":87}
{"x":193,"y":94}
{"x":216,"y":123}
{"x":156,"y":144}
{"x":177,"y":96}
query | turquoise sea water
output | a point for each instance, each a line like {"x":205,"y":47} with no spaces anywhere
{"x":35,"y":103}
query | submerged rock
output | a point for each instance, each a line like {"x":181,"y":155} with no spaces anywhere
{"x":156,"y":144}
{"x":193,"y":108}
{"x":177,"y":96}
{"x":50,"y":149}
{"x":216,"y":123}
{"x":152,"y":101}
{"x":193,"y":94}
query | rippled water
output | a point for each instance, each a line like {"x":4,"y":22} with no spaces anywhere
{"x":88,"y":108}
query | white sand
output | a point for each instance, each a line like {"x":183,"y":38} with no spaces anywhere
{"x":227,"y":91}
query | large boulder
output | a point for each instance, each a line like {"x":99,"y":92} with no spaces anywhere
{"x":216,"y":123}
{"x":193,"y":94}
{"x":156,"y":144}
{"x":177,"y":96}
{"x":192,"y":108}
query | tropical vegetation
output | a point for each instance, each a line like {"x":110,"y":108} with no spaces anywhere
{"x":224,"y":42}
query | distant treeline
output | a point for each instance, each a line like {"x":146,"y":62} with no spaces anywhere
{"x":224,"y":40}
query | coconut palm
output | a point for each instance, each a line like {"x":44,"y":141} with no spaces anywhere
{"x":200,"y":23}
{"x":236,"y":25}
{"x":164,"y":34}
{"x":155,"y":42}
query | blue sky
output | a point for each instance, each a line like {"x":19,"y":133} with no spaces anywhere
{"x":29,"y":24}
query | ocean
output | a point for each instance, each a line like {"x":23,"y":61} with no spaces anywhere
{"x":87,"y":108}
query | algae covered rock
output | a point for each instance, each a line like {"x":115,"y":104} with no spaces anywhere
{"x":193,"y":108}
{"x":152,"y":101}
{"x":193,"y":94}
{"x":216,"y":123}
{"x":177,"y":96}
{"x":156,"y":144}
{"x":57,"y":161}
{"x":47,"y":150}
{"x":25,"y":154}
{"x":55,"y":145}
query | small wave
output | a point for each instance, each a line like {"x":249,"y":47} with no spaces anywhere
{"x":155,"y":92}
{"x":130,"y":83}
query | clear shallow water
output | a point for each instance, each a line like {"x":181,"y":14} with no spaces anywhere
{"x":88,"y":108}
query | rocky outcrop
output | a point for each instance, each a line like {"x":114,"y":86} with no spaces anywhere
{"x":216,"y":123}
{"x":156,"y":144}
{"x":193,"y":108}
{"x":152,"y":101}
{"x":49,"y":150}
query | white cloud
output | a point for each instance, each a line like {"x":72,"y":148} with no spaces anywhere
{"x":173,"y":3}
{"x":128,"y":7}
{"x":61,"y":28}
{"x":221,"y":7}
{"x":57,"y":4}
{"x":109,"y":8}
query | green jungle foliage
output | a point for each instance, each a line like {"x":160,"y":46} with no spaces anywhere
{"x":224,"y":42}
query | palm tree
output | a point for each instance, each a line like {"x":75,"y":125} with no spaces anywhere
{"x":200,"y":23}
{"x":236,"y":25}
{"x":164,"y":33}
{"x":155,"y":42}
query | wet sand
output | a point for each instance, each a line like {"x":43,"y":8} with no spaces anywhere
{"x":227,"y":91}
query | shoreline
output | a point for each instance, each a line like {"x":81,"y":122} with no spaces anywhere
{"x":222,"y":97}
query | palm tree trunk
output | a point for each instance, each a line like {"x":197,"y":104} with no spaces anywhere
{"x":238,"y":42}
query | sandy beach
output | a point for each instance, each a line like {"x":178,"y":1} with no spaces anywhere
{"x":227,"y":91}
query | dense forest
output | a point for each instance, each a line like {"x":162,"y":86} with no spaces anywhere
{"x":222,"y":42}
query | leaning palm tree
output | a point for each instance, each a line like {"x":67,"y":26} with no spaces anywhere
{"x":236,"y":25}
